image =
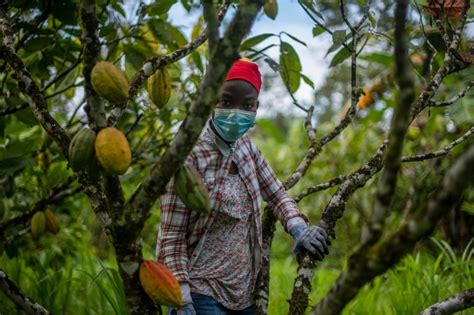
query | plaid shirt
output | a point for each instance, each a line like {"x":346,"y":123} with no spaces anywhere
{"x":182,"y":232}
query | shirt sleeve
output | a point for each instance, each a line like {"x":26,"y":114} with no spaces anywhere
{"x":171,"y":245}
{"x":274,"y":194}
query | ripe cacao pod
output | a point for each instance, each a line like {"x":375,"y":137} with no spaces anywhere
{"x":160,"y":284}
{"x":159,"y":87}
{"x":113,"y":151}
{"x":109,"y":82}
{"x":81,"y":150}
{"x":191,"y":189}
{"x":38,"y":224}
{"x":366,"y":99}
{"x":52,"y":221}
{"x":271,"y":9}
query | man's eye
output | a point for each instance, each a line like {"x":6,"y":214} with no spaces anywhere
{"x":248,"y":106}
{"x":225,"y":103}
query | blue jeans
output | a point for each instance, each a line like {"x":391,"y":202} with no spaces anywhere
{"x":205,"y":305}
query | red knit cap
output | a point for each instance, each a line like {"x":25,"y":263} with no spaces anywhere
{"x":247,"y":70}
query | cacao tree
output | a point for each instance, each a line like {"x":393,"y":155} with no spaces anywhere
{"x":159,"y":89}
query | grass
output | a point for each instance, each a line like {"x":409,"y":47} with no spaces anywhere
{"x":84,"y":284}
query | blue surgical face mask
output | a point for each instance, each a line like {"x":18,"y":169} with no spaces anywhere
{"x":231,"y":124}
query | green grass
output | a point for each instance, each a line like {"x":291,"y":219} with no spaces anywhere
{"x":84,"y":284}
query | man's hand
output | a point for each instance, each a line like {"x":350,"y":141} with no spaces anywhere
{"x":313,"y":238}
{"x":188,"y":308}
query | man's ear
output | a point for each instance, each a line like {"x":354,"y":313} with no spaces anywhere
{"x":258,"y":103}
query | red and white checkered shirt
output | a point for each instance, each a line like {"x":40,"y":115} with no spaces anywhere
{"x":182,"y":231}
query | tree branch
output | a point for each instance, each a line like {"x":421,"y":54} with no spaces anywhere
{"x":453,"y":100}
{"x":367,"y":262}
{"x":29,"y":87}
{"x":12,"y":110}
{"x":95,"y":107}
{"x":400,"y":122}
{"x":440,"y":153}
{"x":55,"y":195}
{"x":453,"y":304}
{"x":212,"y":21}
{"x":323,"y":186}
{"x":20,"y":299}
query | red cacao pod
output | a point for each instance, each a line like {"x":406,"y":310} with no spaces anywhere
{"x":160,"y":284}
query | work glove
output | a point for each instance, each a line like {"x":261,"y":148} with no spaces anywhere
{"x":188,"y":308}
{"x":313,"y":239}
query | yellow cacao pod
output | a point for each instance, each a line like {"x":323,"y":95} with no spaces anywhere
{"x":271,"y":9}
{"x":109,"y":82}
{"x":366,"y":99}
{"x":159,"y":87}
{"x":112,"y":151}
{"x":52,"y":221}
{"x":191,"y":189}
{"x":160,"y":284}
{"x":38,"y":224}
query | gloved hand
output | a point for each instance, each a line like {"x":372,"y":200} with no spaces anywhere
{"x":188,"y":308}
{"x":312,"y":238}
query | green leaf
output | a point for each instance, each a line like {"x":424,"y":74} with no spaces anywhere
{"x":38,"y":43}
{"x":196,"y":57}
{"x":290,"y":67}
{"x":341,"y":55}
{"x":385,"y":59}
{"x":372,"y":20}
{"x":13,"y":164}
{"x":159,"y":7}
{"x":251,"y":42}
{"x":339,"y":37}
{"x":318,"y":30}
{"x":308,"y":81}
{"x":167,"y":33}
{"x":295,"y":39}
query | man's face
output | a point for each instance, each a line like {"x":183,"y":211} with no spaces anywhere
{"x":238,"y":94}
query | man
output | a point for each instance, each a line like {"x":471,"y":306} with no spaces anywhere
{"x":217,"y":256}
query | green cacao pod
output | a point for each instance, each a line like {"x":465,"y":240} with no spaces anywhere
{"x":160,"y":284}
{"x":42,"y":159}
{"x":81,"y":149}
{"x":109,"y":82}
{"x":191,"y":189}
{"x":271,"y":9}
{"x":52,"y":221}
{"x":38,"y":224}
{"x":159,"y":87}
{"x":113,"y":151}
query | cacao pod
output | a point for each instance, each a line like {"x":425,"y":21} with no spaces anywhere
{"x":42,"y":160}
{"x":38,"y":224}
{"x":52,"y":222}
{"x":271,"y":9}
{"x":81,"y":150}
{"x":109,"y":82}
{"x":160,"y":284}
{"x":113,"y":151}
{"x":159,"y":87}
{"x":191,"y":189}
